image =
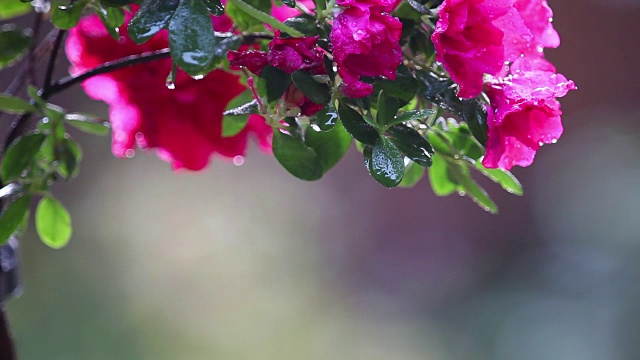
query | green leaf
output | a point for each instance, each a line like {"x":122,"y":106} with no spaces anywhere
{"x":289,"y":3}
{"x":236,"y":8}
{"x":13,"y":44}
{"x":460,"y":174}
{"x":115,"y":17}
{"x":153,"y":16}
{"x":115,"y":3}
{"x":410,"y":116}
{"x":233,"y":125}
{"x":107,"y":20}
{"x":12,"y":8}
{"x":88,"y":123}
{"x":10,"y":190}
{"x":413,"y":173}
{"x":321,"y":5}
{"x":388,"y":107}
{"x":191,"y":37}
{"x":69,"y":155}
{"x":242,"y":19}
{"x":215,"y":7}
{"x":441,"y":184}
{"x":503,"y":177}
{"x":464,"y":141}
{"x":330,"y":146}
{"x":355,"y":124}
{"x":306,"y":24}
{"x":249,"y":108}
{"x":315,"y":91}
{"x":224,"y":43}
{"x":475,"y":114}
{"x":412,"y":144}
{"x":236,"y":117}
{"x":34,"y":94}
{"x":67,"y":16}
{"x":13,"y":105}
{"x":276,"y":81}
{"x":440,"y":91}
{"x":19,"y":156}
{"x":13,"y":217}
{"x":53,"y":223}
{"x":326,"y":118}
{"x":53,"y":112}
{"x":385,"y":163}
{"x":298,"y":159}
{"x":419,"y":7}
{"x":403,"y":87}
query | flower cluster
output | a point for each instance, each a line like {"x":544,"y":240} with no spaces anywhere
{"x":498,"y":45}
{"x":312,"y":74}
{"x":289,"y":55}
{"x":184,"y":124}
{"x":365,"y":41}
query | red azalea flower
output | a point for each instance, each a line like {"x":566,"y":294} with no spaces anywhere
{"x":525,"y":116}
{"x":183,"y":124}
{"x":296,"y":53}
{"x":374,"y":5}
{"x":287,"y":54}
{"x":365,"y":42}
{"x":477,"y":37}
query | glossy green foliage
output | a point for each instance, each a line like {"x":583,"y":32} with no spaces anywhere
{"x":13,"y":44}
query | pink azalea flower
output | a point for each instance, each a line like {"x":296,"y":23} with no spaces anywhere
{"x":477,"y":37}
{"x":525,"y":116}
{"x":365,"y":42}
{"x":287,"y":54}
{"x":375,"y":5}
{"x":253,"y":60}
{"x":296,"y":53}
{"x":537,"y":15}
{"x":184,"y":124}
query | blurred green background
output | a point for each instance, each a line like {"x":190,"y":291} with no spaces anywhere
{"x":247,"y":262}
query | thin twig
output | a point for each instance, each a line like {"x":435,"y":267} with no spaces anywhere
{"x":67,"y":82}
{"x":7,"y":347}
{"x":52,"y":59}
{"x":37,"y":24}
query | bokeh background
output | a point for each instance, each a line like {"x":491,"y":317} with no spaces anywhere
{"x":247,"y":262}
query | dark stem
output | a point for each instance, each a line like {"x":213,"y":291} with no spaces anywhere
{"x":31,"y":58}
{"x":7,"y":348}
{"x":21,"y":124}
{"x":67,"y":82}
{"x":42,"y":49}
{"x":57,"y":43}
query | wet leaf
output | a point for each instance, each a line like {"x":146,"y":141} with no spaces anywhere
{"x":13,"y":44}
{"x":385,"y":163}
{"x":20,"y":155}
{"x":315,"y":91}
{"x":88,"y":123}
{"x":412,"y":144}
{"x":13,"y":217}
{"x":13,"y":105}
{"x":67,"y":16}
{"x":413,"y":173}
{"x":153,"y":16}
{"x":330,"y":146}
{"x":296,"y":157}
{"x":191,"y":37}
{"x":355,"y":124}
{"x":53,"y":223}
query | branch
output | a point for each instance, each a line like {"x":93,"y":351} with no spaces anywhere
{"x":37,"y":24}
{"x":57,"y":43}
{"x":6,"y":339}
{"x":67,"y":82}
